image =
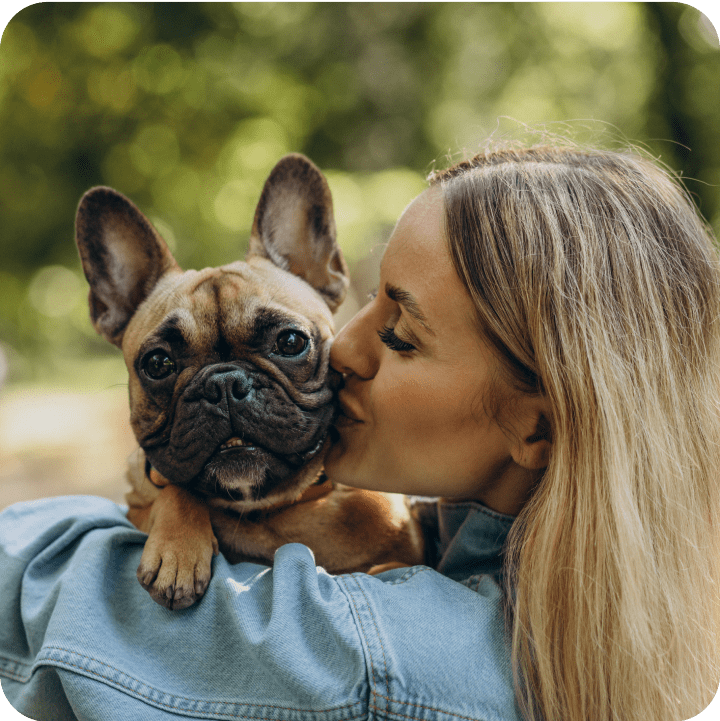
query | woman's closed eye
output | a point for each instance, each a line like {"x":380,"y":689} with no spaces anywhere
{"x":388,"y":337}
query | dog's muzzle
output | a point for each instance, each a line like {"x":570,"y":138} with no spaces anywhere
{"x":233,"y":418}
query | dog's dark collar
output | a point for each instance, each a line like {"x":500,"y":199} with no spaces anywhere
{"x":322,"y":487}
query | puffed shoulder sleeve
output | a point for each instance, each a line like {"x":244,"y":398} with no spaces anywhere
{"x":80,"y":638}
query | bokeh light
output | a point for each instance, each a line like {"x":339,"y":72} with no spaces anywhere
{"x":185,"y":108}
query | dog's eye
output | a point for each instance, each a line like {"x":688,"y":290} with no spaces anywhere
{"x":158,"y":365}
{"x":290,"y":343}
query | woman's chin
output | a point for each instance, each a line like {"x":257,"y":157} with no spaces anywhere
{"x":345,"y":467}
{"x":350,"y":462}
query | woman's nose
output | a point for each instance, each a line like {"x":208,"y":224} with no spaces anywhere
{"x":353,"y":350}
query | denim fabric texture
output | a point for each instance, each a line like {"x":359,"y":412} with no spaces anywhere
{"x":80,"y":639}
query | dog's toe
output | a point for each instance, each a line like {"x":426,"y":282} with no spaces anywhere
{"x":202,"y":579}
{"x":180,"y":604}
{"x":147,"y":571}
{"x":173,"y":596}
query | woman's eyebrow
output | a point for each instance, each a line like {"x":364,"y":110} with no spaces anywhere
{"x":407,"y":301}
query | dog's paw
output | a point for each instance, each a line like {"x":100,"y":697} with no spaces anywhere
{"x":176,"y":577}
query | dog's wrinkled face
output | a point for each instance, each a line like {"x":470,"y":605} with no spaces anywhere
{"x":231,"y":393}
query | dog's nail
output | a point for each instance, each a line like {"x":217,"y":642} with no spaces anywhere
{"x":184,"y":603}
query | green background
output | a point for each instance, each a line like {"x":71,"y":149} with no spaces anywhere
{"x":186,"y":107}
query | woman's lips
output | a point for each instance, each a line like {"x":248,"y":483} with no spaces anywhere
{"x":347,"y":412}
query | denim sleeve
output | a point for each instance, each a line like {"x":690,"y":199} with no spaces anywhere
{"x":436,"y":650}
{"x":79,"y":637}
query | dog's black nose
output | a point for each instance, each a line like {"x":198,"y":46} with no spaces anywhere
{"x":231,"y":384}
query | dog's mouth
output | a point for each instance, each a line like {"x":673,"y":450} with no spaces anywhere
{"x":241,"y":445}
{"x":240,"y":469}
{"x":235,"y":445}
{"x":242,"y":449}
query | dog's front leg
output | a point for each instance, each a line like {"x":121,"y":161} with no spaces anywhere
{"x":175,"y":567}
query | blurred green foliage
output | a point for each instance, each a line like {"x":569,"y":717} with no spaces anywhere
{"x":186,"y":107}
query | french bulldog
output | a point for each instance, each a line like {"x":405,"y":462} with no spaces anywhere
{"x":232,"y":398}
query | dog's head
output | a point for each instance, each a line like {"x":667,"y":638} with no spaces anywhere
{"x":231,"y":393}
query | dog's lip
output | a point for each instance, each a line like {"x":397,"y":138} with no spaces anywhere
{"x":307,"y":456}
{"x":347,"y":408}
{"x":236,"y":442}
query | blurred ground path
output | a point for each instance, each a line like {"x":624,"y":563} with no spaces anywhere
{"x":56,"y":443}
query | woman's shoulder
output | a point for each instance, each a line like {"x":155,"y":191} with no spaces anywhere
{"x":433,"y":645}
{"x":290,"y":641}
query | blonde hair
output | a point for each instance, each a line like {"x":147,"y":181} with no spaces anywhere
{"x":598,"y":285}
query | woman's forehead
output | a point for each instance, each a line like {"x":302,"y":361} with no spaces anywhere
{"x":419,"y":232}
{"x":417,"y":260}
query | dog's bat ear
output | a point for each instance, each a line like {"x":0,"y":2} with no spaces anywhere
{"x":294,"y":227}
{"x":123,"y":258}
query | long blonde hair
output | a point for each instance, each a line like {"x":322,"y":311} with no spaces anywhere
{"x":598,"y":285}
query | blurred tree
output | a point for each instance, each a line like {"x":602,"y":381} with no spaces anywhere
{"x":686,"y":98}
{"x":185,"y":107}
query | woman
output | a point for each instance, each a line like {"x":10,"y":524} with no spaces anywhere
{"x":541,"y":353}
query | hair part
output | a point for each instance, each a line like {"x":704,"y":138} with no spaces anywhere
{"x":598,"y":285}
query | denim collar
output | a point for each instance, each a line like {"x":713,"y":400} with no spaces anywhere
{"x":466,"y":538}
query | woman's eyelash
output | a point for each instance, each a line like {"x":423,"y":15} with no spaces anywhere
{"x":387,"y":334}
{"x":388,"y":337}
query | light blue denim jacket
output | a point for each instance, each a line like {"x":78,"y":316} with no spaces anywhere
{"x":80,"y":639}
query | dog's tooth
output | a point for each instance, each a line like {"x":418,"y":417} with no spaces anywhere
{"x":232,"y":442}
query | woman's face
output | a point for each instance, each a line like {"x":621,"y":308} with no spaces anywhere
{"x":416,"y":374}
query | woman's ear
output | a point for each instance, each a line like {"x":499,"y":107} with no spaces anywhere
{"x":534,"y":444}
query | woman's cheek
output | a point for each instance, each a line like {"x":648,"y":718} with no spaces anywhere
{"x":390,"y":411}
